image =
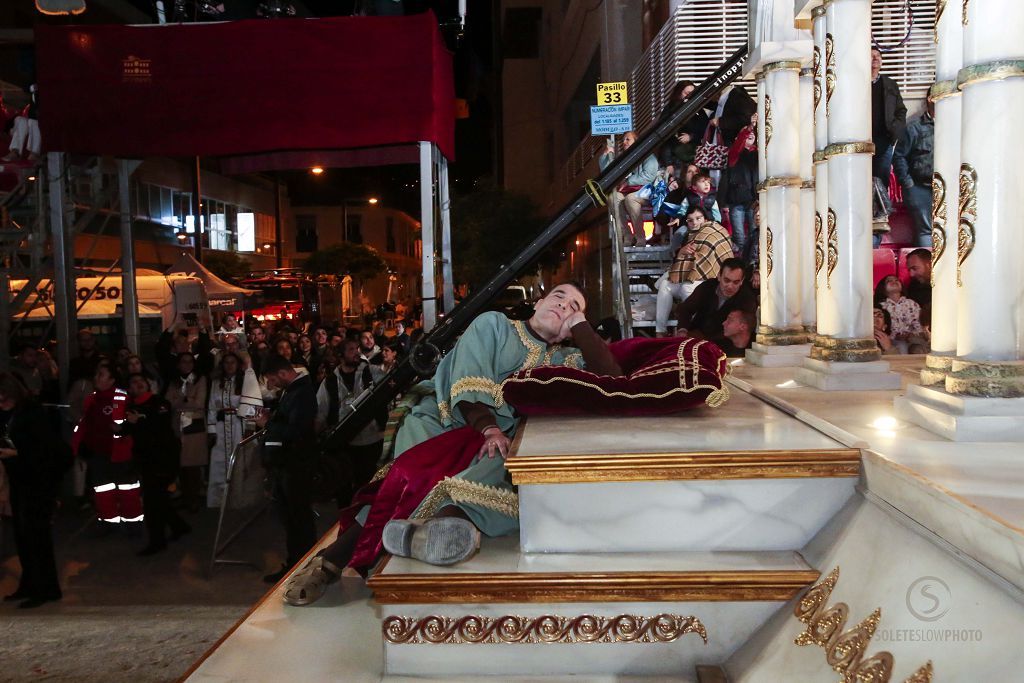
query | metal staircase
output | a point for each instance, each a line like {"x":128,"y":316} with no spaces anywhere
{"x":644,"y":265}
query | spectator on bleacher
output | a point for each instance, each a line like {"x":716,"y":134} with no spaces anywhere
{"x":883,"y":332}
{"x":704,"y":312}
{"x":738,"y":189}
{"x":912,"y":163}
{"x":737,"y":333}
{"x":735,"y":108}
{"x":680,"y":150}
{"x":919,"y":266}
{"x":627,"y":201}
{"x":888,"y":118}
{"x":700,"y":258}
{"x":679,"y":200}
{"x":905,"y":314}
{"x":752,"y":251}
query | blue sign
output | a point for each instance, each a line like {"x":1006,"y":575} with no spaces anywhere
{"x":610,"y":120}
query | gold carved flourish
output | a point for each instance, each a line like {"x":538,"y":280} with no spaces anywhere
{"x":833,"y":247}
{"x":817,"y":77}
{"x":965,"y":236}
{"x":769,"y":245}
{"x":767,"y":120}
{"x":940,"y":7}
{"x":938,"y":220}
{"x":511,"y":629}
{"x":845,"y":650}
{"x":819,"y":244}
{"x":830,"y":71}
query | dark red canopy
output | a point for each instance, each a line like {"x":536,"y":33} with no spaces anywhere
{"x":245,"y":87}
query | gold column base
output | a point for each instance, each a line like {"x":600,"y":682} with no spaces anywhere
{"x":990,"y":379}
{"x":781,"y":336}
{"x":936,"y":367}
{"x":845,"y":350}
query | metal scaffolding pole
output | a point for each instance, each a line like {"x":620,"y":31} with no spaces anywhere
{"x":427,"y":236}
{"x":129,"y":293}
{"x":197,"y":210}
{"x":65,"y":317}
{"x":448,"y":280}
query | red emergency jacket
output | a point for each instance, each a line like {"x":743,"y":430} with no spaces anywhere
{"x":100,"y":412}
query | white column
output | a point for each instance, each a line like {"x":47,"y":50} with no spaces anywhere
{"x":848,"y":263}
{"x":807,"y":303}
{"x":427,"y":236}
{"x":762,"y":159}
{"x":945,"y":193}
{"x":825,"y":305}
{"x":990,"y":237}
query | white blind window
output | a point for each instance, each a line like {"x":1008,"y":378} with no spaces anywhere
{"x":905,"y":32}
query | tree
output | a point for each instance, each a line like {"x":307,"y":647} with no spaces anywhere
{"x":226,"y":265}
{"x":358,"y":260}
{"x":489,"y":227}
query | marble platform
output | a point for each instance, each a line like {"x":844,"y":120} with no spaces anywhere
{"x":777,"y":356}
{"x":730,"y":594}
{"x":963,"y":418}
{"x":837,"y":376}
{"x":744,"y":476}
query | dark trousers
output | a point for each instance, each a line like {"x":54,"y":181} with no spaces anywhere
{"x":32,"y":510}
{"x":294,"y":501}
{"x":362,"y":465}
{"x":160,"y":514}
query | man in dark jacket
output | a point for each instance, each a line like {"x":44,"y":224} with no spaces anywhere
{"x":888,"y":117}
{"x":703,"y":313}
{"x":912,"y":162}
{"x":289,"y":452}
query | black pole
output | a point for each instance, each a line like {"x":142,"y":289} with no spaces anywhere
{"x":197,"y":211}
{"x":424,"y":356}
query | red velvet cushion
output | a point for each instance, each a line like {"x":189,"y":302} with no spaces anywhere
{"x":661,"y":376}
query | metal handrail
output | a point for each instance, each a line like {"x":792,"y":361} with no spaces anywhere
{"x":219,"y":547}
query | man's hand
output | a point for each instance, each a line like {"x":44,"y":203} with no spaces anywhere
{"x":262,"y":417}
{"x":573,"y":320}
{"x":884,"y":340}
{"x":684,"y":138}
{"x":7,"y":453}
{"x":495,"y":443}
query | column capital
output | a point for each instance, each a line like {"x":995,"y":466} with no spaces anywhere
{"x":783,"y":65}
{"x":992,"y":71}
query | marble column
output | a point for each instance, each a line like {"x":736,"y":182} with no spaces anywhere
{"x":990,"y":237}
{"x":982,"y":396}
{"x":781,"y":338}
{"x":808,"y":312}
{"x":825,"y":305}
{"x":945,"y":193}
{"x":846,"y":356}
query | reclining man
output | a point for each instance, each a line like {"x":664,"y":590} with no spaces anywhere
{"x":460,"y":408}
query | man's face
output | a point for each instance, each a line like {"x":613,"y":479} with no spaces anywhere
{"x":258,"y":334}
{"x":703,"y":185}
{"x":729,"y":281}
{"x":86,"y":342}
{"x":138,"y":386}
{"x":336,"y":340}
{"x":351,"y":353}
{"x":628,"y":139}
{"x":321,"y":337}
{"x":229,"y":322}
{"x":103,"y":379}
{"x":734,"y":323}
{"x":366,"y":341}
{"x":29,"y":357}
{"x":876,"y":64}
{"x":919,"y":269}
{"x":695,"y":220}
{"x":230,"y":342}
{"x":551,"y":312}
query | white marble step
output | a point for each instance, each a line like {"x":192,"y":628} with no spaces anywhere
{"x":743,"y":476}
{"x":505,"y":593}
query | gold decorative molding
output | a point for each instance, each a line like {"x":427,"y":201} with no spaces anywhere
{"x":992,"y":71}
{"x":808,"y":185}
{"x":516,"y":630}
{"x":819,"y":245}
{"x":840,"y":148}
{"x":767,"y":120}
{"x":938,"y":220}
{"x":780,"y":181}
{"x":818,"y":11}
{"x":769,"y":246}
{"x":785,"y":65}
{"x":965,"y":236}
{"x":990,"y":379}
{"x":535,"y":587}
{"x":818,"y":156}
{"x":845,"y":650}
{"x":940,"y":7}
{"x":833,"y":246}
{"x":605,"y":467}
{"x":943,"y":89}
{"x":830,"y":72}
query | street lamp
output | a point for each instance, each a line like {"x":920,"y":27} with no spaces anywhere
{"x":372,"y":200}
{"x":317,"y":170}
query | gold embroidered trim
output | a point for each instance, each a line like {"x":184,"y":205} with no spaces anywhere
{"x":382,"y":472}
{"x":444,"y":411}
{"x":574,"y":360}
{"x":534,"y":348}
{"x":938,"y":220}
{"x":845,"y":650}
{"x":502,"y":501}
{"x":478,"y":384}
{"x":516,"y":630}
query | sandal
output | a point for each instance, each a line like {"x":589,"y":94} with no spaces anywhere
{"x":309,"y":583}
{"x":437,"y":541}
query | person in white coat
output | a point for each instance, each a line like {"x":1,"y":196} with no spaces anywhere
{"x":234,"y":396}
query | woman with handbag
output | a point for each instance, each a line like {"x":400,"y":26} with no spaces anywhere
{"x":34,"y":459}
{"x":186,"y":393}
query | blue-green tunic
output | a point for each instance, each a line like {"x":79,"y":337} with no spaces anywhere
{"x":492,"y":348}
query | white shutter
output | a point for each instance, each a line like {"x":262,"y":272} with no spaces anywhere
{"x":908,"y":51}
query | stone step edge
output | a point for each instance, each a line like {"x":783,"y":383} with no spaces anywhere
{"x":575,"y":587}
{"x":684,"y":466}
